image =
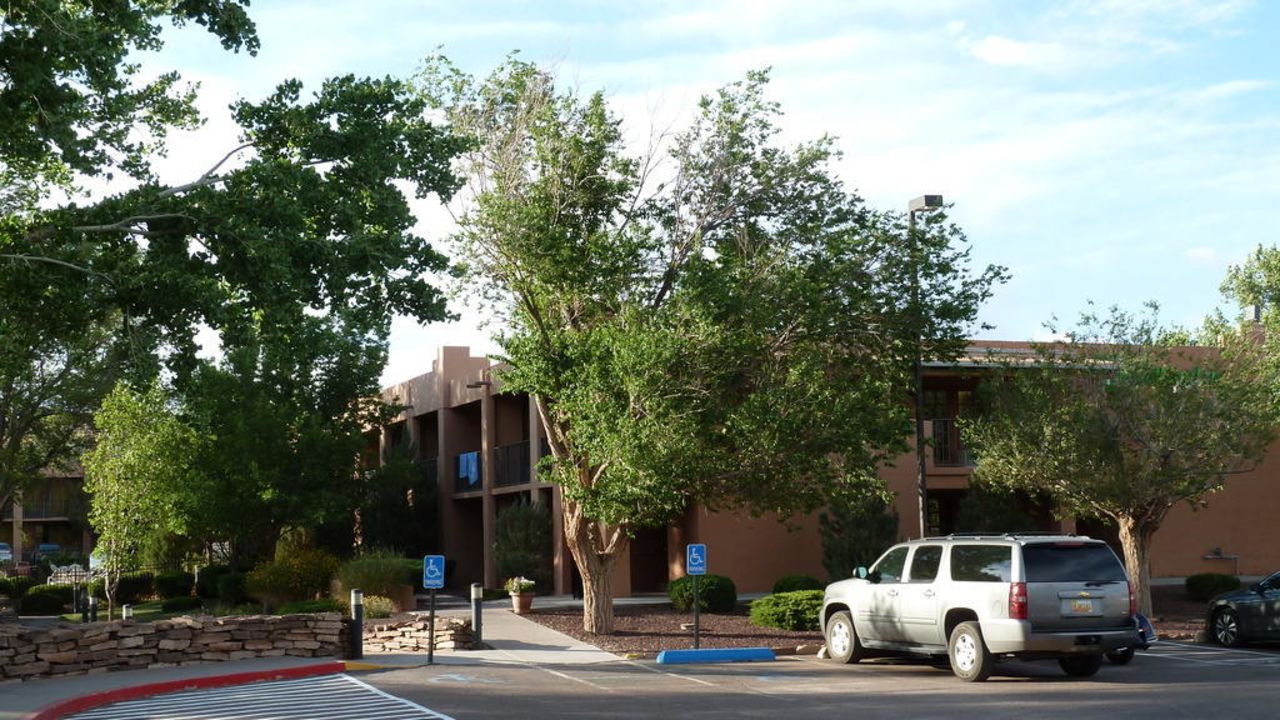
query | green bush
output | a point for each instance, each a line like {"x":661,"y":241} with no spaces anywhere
{"x":181,"y":604}
{"x":796,"y":610}
{"x":855,"y":531}
{"x":174,"y":584}
{"x":716,"y":593}
{"x":207,"y":580}
{"x":324,"y":605}
{"x":304,"y":575}
{"x":133,"y":588}
{"x":379,"y":574}
{"x":792,"y":583}
{"x":522,"y":544}
{"x":231,"y":588}
{"x":64,"y":593}
{"x":1204,"y":586}
{"x":41,"y":603}
{"x":16,"y":586}
{"x":376,"y":606}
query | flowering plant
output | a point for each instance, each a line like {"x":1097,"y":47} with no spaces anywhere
{"x":518,"y":585}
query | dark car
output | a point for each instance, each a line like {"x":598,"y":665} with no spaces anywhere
{"x":1247,"y":614}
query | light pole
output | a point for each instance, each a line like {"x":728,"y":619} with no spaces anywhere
{"x":924,"y":203}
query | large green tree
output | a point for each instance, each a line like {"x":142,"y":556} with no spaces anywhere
{"x":1122,"y":421}
{"x":722,"y":323}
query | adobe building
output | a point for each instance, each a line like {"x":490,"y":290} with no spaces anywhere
{"x":486,"y":445}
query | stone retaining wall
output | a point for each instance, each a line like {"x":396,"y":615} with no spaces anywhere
{"x":452,"y":633}
{"x":95,"y":647}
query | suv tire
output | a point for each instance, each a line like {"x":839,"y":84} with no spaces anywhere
{"x":1123,"y":656}
{"x":970,"y":659}
{"x":1081,"y":665}
{"x":843,"y":645}
{"x":1225,"y":627}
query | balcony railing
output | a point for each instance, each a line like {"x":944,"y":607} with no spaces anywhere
{"x":46,"y":508}
{"x":467,"y":471}
{"x":511,"y":464}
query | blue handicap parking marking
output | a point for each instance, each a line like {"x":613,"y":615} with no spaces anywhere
{"x":433,"y":572}
{"x":695,"y":561}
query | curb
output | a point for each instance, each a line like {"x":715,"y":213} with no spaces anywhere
{"x":715,"y":655}
{"x":93,"y":700}
{"x":797,"y":650}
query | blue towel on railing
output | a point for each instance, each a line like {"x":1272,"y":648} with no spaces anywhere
{"x":469,"y":467}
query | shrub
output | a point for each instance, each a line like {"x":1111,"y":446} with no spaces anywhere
{"x":207,"y":580}
{"x":716,"y":593}
{"x":324,"y":605}
{"x":1204,"y":586}
{"x":15,"y":587}
{"x":174,"y":584}
{"x":132,"y":589}
{"x":522,"y":543}
{"x":64,"y":593}
{"x":796,"y":610}
{"x":41,"y":603}
{"x":376,"y":606}
{"x":378,"y":574}
{"x":181,"y":603}
{"x":301,"y":576}
{"x":854,"y":532}
{"x":792,"y":583}
{"x":231,"y":588}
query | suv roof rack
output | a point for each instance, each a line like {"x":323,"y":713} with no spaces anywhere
{"x":977,"y":535}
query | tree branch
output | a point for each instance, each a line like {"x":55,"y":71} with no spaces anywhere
{"x":207,"y":178}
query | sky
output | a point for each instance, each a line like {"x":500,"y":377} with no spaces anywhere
{"x":1114,"y":151}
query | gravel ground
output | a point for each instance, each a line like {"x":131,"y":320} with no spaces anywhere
{"x":644,"y":630}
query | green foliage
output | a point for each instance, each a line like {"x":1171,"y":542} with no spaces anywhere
{"x":303,"y":575}
{"x":716,"y":593}
{"x":522,"y":544}
{"x":232,"y":588}
{"x":174,"y":584}
{"x":401,"y":508}
{"x":379,"y":574}
{"x":64,"y":593}
{"x":181,"y":604}
{"x":794,"y":583}
{"x":207,"y":582}
{"x":16,"y":586}
{"x":855,"y":530}
{"x":323,"y":605}
{"x":797,"y":610}
{"x":34,"y":603}
{"x":1204,"y":586}
{"x":376,"y":607}
{"x":994,"y":509}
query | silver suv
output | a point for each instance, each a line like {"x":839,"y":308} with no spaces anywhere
{"x":976,"y":598}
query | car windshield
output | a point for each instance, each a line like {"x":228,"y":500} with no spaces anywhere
{"x":1071,"y":562}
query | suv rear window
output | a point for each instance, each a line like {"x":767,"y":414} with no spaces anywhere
{"x":1071,"y":562}
{"x":981,"y":563}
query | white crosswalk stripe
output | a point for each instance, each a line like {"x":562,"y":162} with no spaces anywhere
{"x":317,"y":698}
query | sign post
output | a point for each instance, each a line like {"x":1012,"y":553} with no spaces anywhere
{"x":695,"y":564}
{"x":432,"y":579}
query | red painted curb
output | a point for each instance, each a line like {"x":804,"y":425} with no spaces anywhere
{"x":86,"y":702}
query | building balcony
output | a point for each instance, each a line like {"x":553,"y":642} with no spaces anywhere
{"x":467,"y":472}
{"x":511,"y":464}
{"x":948,"y":451}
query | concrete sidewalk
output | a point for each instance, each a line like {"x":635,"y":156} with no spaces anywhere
{"x":511,"y":638}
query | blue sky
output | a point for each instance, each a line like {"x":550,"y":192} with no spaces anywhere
{"x":1113,"y":150}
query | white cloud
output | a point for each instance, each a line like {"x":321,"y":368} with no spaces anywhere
{"x":1005,"y":51}
{"x":1202,"y":255}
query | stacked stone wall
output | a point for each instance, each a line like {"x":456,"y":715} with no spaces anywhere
{"x":415,"y":635}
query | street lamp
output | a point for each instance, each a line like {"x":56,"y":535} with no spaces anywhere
{"x":924,"y":203}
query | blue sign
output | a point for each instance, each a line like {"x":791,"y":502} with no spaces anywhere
{"x":695,"y":559}
{"x":433,"y":572}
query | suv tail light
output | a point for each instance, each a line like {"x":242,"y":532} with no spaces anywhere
{"x":1133,"y":600}
{"x":1018,"y":601}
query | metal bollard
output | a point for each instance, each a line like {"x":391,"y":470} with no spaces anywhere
{"x":93,"y":609}
{"x":357,"y":624}
{"x":82,"y":604}
{"x":126,"y":612}
{"x":477,"y":613}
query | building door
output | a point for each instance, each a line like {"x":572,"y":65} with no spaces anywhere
{"x":649,"y":560}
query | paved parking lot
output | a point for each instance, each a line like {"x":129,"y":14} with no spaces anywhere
{"x":1170,"y":681}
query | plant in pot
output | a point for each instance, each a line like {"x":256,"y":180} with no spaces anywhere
{"x":521,"y":591}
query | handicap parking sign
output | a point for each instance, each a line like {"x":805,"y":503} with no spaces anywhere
{"x":433,"y":572}
{"x":695,"y":559}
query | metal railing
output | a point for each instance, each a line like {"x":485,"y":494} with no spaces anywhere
{"x":468,"y":471}
{"x":948,"y":451}
{"x":511,"y":464}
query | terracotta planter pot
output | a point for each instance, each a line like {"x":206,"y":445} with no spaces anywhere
{"x":521,"y":603}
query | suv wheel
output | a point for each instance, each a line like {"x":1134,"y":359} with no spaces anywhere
{"x":842,"y":640}
{"x":1226,"y":627}
{"x":1121,"y":656}
{"x":1081,"y":665}
{"x":970,"y":659}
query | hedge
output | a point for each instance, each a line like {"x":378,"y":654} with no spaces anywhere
{"x":207,"y":580}
{"x":181,"y":604}
{"x":1204,"y":586}
{"x":302,"y":575}
{"x":15,"y":587}
{"x":716,"y":593}
{"x":41,"y":603}
{"x":797,"y":610}
{"x":174,"y":584}
{"x":792,"y":583}
{"x":231,"y":588}
{"x":379,"y":574}
{"x":312,"y":606}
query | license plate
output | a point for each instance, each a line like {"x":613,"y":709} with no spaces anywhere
{"x":1078,"y":606}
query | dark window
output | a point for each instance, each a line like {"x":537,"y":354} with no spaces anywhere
{"x":891,"y":565}
{"x":1071,"y":562}
{"x":925,"y":562}
{"x":981,"y":563}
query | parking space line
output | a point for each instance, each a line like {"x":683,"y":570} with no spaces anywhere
{"x":671,"y":674}
{"x":1203,"y":648}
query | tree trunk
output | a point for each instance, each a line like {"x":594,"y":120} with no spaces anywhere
{"x":596,"y":548}
{"x":1135,"y":539}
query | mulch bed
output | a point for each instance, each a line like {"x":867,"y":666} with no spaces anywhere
{"x":644,"y":630}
